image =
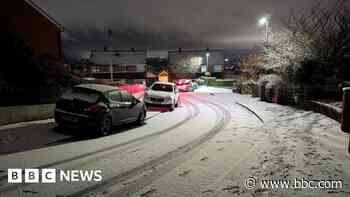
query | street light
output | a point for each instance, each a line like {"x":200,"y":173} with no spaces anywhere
{"x":265,"y":21}
{"x":111,"y":67}
{"x":208,"y":54}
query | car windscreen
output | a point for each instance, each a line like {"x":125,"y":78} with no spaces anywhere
{"x":187,"y":82}
{"x":82,"y":94}
{"x":162,"y":87}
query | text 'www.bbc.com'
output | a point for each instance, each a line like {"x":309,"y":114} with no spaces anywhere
{"x":284,"y":184}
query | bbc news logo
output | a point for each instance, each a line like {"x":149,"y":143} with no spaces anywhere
{"x":52,"y":175}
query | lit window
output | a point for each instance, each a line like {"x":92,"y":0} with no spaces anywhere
{"x":196,"y":61}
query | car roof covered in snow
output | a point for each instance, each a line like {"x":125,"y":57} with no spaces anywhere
{"x":97,"y":87}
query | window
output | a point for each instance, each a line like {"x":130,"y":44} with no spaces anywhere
{"x":115,"y":96}
{"x":83,"y":94}
{"x":126,"y":97}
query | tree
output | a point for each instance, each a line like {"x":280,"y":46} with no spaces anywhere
{"x":252,"y":65}
{"x":157,"y":64}
{"x":313,"y":46}
{"x":19,"y":67}
{"x":287,"y":51}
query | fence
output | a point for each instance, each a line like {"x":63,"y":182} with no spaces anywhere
{"x":325,"y":109}
{"x":10,"y":96}
{"x":284,"y":94}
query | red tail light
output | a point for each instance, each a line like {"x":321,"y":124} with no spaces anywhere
{"x":95,"y":108}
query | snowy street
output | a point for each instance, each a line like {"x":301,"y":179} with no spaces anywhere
{"x":208,"y":146}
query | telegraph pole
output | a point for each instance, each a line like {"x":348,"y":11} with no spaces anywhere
{"x":109,"y":32}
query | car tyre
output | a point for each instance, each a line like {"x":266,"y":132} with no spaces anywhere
{"x":172,"y":106}
{"x":141,"y":117}
{"x":177,"y":103}
{"x":105,"y":126}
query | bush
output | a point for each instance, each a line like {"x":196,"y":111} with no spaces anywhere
{"x":271,"y":87}
{"x":246,"y":86}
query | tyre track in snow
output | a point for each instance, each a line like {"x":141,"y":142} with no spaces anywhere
{"x":170,"y":160}
{"x":192,"y":112}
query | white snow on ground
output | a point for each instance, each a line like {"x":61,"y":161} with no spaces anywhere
{"x":116,"y":161}
{"x":26,"y":124}
{"x":52,"y":154}
{"x":289,"y":144}
{"x":206,"y":89}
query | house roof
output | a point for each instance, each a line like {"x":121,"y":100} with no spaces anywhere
{"x":150,"y":75}
{"x":45,"y":14}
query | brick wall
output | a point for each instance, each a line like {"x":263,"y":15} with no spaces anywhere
{"x":41,"y":35}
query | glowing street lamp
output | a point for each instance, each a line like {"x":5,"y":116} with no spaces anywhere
{"x":265,"y":21}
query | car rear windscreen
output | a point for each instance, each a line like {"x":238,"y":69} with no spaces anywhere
{"x":82,"y":94}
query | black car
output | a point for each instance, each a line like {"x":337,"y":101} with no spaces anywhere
{"x":99,"y":107}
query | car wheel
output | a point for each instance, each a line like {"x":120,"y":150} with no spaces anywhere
{"x":141,"y":118}
{"x":172,"y":106}
{"x":105,"y":126}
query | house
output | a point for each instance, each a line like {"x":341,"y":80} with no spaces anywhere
{"x":118,"y":64}
{"x":193,"y":63}
{"x":38,"y":29}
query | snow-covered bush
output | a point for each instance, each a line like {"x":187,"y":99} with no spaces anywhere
{"x":270,"y":87}
{"x":286,"y":51}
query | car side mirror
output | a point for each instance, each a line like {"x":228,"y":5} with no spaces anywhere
{"x":147,"y":89}
{"x":134,"y":101}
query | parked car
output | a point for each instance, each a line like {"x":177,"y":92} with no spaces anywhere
{"x":163,"y":94}
{"x":185,"y":85}
{"x":98,"y":107}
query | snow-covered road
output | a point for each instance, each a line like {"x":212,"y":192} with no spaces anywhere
{"x":209,"y":146}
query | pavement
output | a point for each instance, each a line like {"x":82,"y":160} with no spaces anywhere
{"x":206,"y":89}
{"x":212,"y":145}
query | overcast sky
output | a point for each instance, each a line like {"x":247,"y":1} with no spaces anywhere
{"x":166,"y":24}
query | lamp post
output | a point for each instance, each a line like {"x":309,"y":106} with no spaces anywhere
{"x":207,"y":55}
{"x":265,"y":21}
{"x":109,"y":34}
{"x":111,"y":67}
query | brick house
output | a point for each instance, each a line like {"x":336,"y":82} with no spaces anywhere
{"x":39,"y":30}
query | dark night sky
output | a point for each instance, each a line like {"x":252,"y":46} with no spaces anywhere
{"x":166,"y":24}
